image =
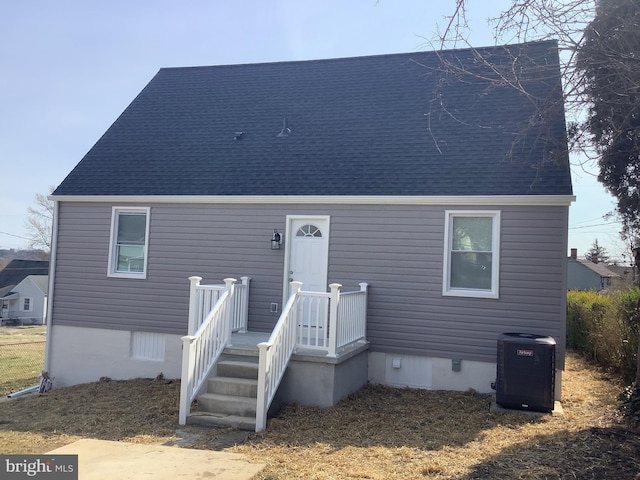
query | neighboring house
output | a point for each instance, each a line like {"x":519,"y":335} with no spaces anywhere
{"x":586,"y":275}
{"x":23,"y":292}
{"x":448,"y":198}
{"x":26,"y":303}
{"x":627,"y":276}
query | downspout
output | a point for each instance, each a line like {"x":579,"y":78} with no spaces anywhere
{"x":52,"y":275}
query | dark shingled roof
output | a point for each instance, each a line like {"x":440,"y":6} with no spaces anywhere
{"x":403,"y":124}
{"x":18,"y":270}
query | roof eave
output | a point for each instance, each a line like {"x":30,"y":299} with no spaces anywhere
{"x":540,"y":200}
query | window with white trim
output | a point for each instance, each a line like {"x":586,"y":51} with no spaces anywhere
{"x":27,"y":304}
{"x":472,"y":253}
{"x":129,"y":242}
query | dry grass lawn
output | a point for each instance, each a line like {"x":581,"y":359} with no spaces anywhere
{"x":378,"y":433}
{"x":21,"y":357}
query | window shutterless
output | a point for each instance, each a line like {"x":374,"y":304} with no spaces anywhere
{"x":129,"y":242}
{"x":26,"y":304}
{"x":471,"y":253}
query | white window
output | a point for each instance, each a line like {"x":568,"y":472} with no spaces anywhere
{"x":27,"y":304}
{"x":129,"y":242}
{"x":471,"y":253}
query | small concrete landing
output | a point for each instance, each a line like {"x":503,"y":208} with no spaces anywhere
{"x":246,"y":343}
{"x":495,"y":408}
{"x":106,"y":460}
{"x":221,"y":420}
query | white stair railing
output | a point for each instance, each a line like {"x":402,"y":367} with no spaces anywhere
{"x":274,"y":356}
{"x":318,"y":321}
{"x":202,"y":348}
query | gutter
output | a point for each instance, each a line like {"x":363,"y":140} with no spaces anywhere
{"x":52,"y":274}
{"x":536,"y":200}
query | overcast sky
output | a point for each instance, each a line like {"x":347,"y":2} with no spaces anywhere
{"x":68,"y":68}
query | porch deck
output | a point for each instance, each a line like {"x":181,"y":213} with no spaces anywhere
{"x":315,"y":355}
{"x":246,"y":343}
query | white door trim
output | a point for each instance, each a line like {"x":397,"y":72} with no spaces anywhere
{"x":287,"y":248}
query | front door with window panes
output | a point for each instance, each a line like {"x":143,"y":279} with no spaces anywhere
{"x":309,"y":256}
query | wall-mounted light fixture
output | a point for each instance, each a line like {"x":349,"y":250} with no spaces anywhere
{"x":276,"y":240}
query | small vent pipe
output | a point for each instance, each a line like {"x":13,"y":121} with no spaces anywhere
{"x":286,"y":131}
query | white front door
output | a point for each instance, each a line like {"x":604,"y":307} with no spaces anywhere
{"x":309,"y":252}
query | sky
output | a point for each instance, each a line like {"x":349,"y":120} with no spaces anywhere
{"x":68,"y":68}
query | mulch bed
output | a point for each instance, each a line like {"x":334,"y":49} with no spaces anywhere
{"x":378,"y":433}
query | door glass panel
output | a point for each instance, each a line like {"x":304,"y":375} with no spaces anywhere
{"x":309,"y":231}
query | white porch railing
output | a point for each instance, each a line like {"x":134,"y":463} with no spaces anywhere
{"x":213,"y":313}
{"x":351,"y":323}
{"x":202,"y":299}
{"x":311,"y":321}
{"x":331,"y":321}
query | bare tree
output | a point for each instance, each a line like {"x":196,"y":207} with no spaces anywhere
{"x":564,"y":21}
{"x":40,"y":221}
{"x":599,"y":50}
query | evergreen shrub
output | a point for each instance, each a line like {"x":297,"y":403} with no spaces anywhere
{"x":600,"y":327}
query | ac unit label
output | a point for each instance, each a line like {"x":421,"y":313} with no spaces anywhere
{"x":524,"y":353}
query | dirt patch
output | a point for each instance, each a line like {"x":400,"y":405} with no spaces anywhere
{"x":378,"y":433}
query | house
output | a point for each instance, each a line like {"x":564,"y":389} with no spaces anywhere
{"x":23,"y":292}
{"x":432,"y":201}
{"x":586,"y":275}
{"x":627,"y":276}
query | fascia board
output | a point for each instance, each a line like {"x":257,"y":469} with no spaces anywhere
{"x":538,"y":200}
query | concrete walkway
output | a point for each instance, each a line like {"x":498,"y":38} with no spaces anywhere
{"x":106,"y":460}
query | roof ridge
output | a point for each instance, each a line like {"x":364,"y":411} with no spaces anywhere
{"x":372,"y":56}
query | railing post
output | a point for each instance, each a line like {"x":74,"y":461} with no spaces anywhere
{"x":333,"y":318}
{"x":295,"y":287}
{"x":261,"y":408}
{"x":195,"y":283}
{"x":364,"y":288}
{"x":186,"y":380}
{"x":245,"y":305}
{"x":228,"y":317}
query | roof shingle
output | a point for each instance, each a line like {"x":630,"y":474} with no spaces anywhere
{"x":379,"y":125}
{"x":17,"y":270}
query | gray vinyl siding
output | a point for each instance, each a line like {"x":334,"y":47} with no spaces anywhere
{"x":397,"y":249}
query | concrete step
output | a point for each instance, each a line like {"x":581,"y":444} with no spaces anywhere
{"x":227,"y":405}
{"x":240,"y":387}
{"x":207,"y":419}
{"x":238,"y":367}
{"x":243,"y":350}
